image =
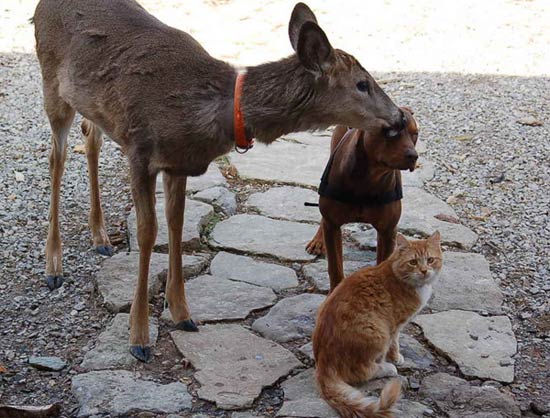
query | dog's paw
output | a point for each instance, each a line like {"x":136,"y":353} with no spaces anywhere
{"x":316,"y":247}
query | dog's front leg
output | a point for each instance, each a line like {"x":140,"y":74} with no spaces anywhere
{"x":143,"y":192}
{"x":385,"y":243}
{"x":333,"y":247}
{"x":174,"y":192}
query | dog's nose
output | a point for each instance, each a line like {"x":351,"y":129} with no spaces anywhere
{"x":411,"y":155}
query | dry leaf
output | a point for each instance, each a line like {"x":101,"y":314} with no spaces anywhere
{"x":530,"y":121}
{"x":80,"y":149}
{"x":447,"y":218}
{"x":464,"y":137}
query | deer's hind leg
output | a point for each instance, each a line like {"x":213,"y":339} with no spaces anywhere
{"x":93,"y":141}
{"x":60,"y":116}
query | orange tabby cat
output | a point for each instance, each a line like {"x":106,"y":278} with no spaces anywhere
{"x":356,"y":337}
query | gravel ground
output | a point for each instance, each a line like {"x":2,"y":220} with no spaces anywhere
{"x":493,"y":170}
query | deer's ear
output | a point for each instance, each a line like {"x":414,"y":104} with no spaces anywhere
{"x":314,"y":49}
{"x":300,"y":15}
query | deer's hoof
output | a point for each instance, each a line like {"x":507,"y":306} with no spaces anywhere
{"x":106,"y":250}
{"x":141,"y":353}
{"x":188,"y":325}
{"x":54,"y":282}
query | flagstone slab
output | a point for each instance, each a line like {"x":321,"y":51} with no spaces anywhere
{"x":117,"y":277}
{"x":117,"y":393}
{"x":232,"y":364}
{"x":419,"y":217}
{"x":424,"y":172}
{"x":197,"y":215}
{"x":220,"y":197}
{"x":246,"y":269}
{"x":459,"y":399}
{"x":481,"y":346}
{"x":111,"y":348}
{"x":286,"y":202}
{"x":301,"y":398}
{"x":264,"y":236}
{"x":466,"y":284}
{"x":284,"y":162}
{"x":318,"y":272}
{"x":211,"y":178}
{"x":212,"y":298}
{"x":290,"y":319}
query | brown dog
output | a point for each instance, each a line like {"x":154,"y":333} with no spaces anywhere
{"x":362,"y":183}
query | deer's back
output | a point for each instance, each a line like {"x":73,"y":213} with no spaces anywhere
{"x":118,"y":65}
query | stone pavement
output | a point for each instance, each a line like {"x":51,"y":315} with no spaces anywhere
{"x":255,"y":292}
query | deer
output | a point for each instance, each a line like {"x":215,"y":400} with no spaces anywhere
{"x":173,"y":108}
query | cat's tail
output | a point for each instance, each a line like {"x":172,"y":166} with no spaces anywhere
{"x":350,"y":403}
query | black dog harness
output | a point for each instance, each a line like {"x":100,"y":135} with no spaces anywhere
{"x":334,"y":192}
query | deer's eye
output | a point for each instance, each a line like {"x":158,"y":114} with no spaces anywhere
{"x":363,"y":86}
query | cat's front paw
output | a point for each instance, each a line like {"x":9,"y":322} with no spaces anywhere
{"x":400,"y":360}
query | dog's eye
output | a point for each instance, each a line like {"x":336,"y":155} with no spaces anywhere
{"x":363,"y":86}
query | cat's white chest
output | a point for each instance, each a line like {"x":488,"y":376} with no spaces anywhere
{"x":424,"y":294}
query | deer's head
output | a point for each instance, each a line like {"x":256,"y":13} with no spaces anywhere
{"x":345,"y":93}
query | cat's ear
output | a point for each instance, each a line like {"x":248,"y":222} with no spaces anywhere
{"x":435,"y":238}
{"x":401,"y":242}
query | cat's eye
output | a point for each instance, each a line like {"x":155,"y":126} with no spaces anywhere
{"x":363,"y":86}
{"x":413,"y":262}
{"x":431,"y":260}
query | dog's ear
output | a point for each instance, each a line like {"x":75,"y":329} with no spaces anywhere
{"x":300,"y":15}
{"x":314,"y":49}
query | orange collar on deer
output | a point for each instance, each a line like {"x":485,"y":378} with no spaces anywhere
{"x":242,"y":142}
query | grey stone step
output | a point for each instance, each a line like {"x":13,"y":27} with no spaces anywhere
{"x":481,"y":346}
{"x":290,"y":319}
{"x":212,"y":298}
{"x":246,"y":269}
{"x":233,"y":365}
{"x":118,"y":393}
{"x":286,"y":202}
{"x":264,"y":236}
{"x":117,"y":277}
{"x":111,"y":348}
{"x":459,"y":399}
{"x":197,"y":215}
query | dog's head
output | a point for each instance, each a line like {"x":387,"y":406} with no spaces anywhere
{"x":395,"y":148}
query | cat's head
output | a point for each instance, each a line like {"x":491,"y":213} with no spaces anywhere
{"x":418,"y":262}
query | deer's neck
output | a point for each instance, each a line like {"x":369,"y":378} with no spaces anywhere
{"x":279,"y":98}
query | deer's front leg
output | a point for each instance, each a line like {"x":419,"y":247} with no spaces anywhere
{"x":143,"y":192}
{"x":333,"y":247}
{"x":174,"y":193}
